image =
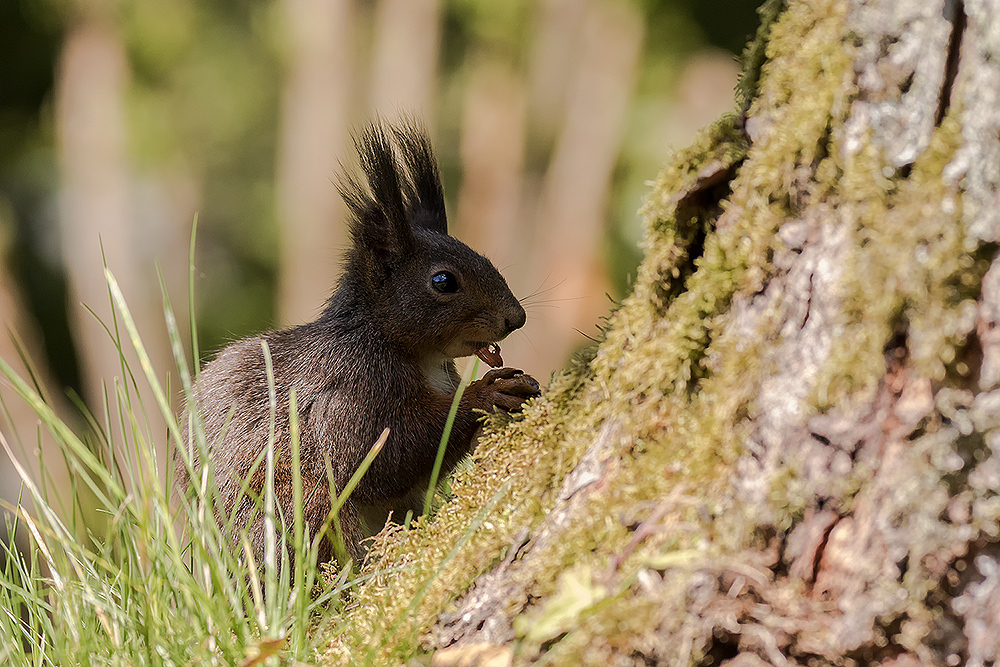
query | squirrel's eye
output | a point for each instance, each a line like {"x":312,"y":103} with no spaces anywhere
{"x":444,"y":282}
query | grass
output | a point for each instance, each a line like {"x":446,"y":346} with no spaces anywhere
{"x":152,"y":580}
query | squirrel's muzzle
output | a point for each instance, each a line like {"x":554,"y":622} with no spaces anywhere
{"x":515,"y":319}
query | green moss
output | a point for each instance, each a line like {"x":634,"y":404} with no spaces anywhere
{"x":932,"y":299}
{"x":417,"y":572}
{"x":754,"y":56}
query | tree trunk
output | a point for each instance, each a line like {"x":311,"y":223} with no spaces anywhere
{"x":316,"y":107}
{"x":786,"y":450}
{"x":407,"y":35}
{"x":573,"y":202}
{"x":97,"y":224}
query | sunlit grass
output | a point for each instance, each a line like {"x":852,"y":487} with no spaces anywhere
{"x":154,"y":581}
{"x":150,"y":578}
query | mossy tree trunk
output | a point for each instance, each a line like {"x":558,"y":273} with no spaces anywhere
{"x":854,"y":225}
{"x":786,"y":448}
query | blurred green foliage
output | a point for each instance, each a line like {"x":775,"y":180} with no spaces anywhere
{"x":203,"y":101}
{"x":30,"y":36}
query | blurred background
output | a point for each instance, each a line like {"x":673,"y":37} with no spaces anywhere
{"x":121,"y":120}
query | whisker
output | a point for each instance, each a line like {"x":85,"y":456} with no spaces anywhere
{"x":527,"y":338}
{"x":540,"y":289}
{"x":551,"y":301}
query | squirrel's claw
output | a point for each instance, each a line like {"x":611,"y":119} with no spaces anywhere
{"x":499,"y":374}
{"x":508,"y":402}
{"x":519,"y":385}
{"x":506,"y":388}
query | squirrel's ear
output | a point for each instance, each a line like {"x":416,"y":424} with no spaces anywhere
{"x":378,"y":213}
{"x":425,"y":195}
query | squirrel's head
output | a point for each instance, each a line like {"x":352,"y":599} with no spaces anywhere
{"x":431,"y":293}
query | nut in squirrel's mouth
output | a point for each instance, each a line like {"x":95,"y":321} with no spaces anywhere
{"x":490,"y":353}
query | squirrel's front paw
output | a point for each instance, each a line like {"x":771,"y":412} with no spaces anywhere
{"x":504,"y":388}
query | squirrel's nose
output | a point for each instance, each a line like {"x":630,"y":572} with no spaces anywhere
{"x":515,"y":320}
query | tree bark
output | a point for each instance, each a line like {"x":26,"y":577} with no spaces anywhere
{"x":816,"y":329}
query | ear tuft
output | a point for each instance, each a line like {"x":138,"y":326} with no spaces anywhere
{"x":403,"y":189}
{"x":425,"y":195}
{"x":378,"y":212}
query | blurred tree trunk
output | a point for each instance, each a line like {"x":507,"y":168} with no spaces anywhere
{"x":407,"y":35}
{"x":491,"y":209}
{"x":573,"y":202}
{"x":21,"y":428}
{"x":315,"y":117}
{"x":816,"y":323}
{"x":96,"y":217}
{"x":94,"y":209}
{"x":559,"y":29}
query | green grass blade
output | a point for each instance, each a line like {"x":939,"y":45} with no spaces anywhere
{"x":195,"y":352}
{"x":301,"y":557}
{"x":333,"y":518}
{"x":445,"y":435}
{"x":140,"y":350}
{"x":81,"y":458}
{"x":270,"y":546}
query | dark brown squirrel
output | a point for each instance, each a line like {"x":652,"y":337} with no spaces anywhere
{"x":411,"y":299}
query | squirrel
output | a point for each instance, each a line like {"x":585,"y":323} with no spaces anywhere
{"x":381,"y":354}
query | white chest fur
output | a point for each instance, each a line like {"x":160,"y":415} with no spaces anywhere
{"x":438,"y":374}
